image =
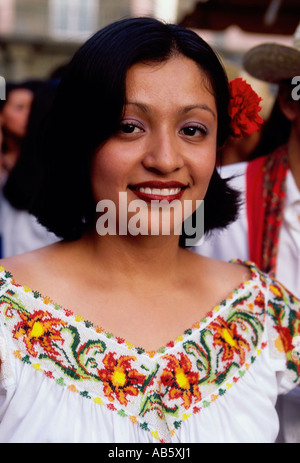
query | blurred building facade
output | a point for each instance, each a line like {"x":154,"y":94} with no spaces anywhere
{"x":38,"y":36}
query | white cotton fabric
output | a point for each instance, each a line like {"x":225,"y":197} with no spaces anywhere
{"x":35,"y":408}
{"x":20,"y":231}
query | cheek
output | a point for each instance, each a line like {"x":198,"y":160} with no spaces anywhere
{"x":106,"y":175}
{"x":205,"y":165}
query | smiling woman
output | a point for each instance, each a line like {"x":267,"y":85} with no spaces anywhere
{"x":165,"y":148}
{"x":139,"y":116}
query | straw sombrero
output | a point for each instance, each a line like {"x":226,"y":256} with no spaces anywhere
{"x":272,"y":62}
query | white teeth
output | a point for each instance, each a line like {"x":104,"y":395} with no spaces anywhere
{"x":159,"y":192}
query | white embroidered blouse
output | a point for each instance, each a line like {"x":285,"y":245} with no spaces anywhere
{"x":64,"y":380}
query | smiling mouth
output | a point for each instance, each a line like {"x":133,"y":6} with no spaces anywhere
{"x":155,"y":190}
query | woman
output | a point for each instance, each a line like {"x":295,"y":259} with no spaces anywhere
{"x":123,"y":127}
{"x":14,"y":114}
{"x":20,"y":230}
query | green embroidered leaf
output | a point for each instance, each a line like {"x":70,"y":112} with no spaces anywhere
{"x":144,"y":426}
{"x":205,"y":404}
{"x":177,"y":424}
{"x":61,"y":382}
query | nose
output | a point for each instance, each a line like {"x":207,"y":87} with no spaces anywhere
{"x":163,"y":153}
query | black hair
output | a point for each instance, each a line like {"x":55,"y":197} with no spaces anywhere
{"x":88,"y":109}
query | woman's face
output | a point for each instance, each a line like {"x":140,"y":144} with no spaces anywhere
{"x":15,"y":113}
{"x":166,"y":146}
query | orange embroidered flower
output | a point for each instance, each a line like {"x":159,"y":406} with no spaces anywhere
{"x":286,"y":338}
{"x":40,"y":328}
{"x":119,"y":378}
{"x":260,"y":300}
{"x":244,"y":108}
{"x":225,"y":335}
{"x":181,"y":380}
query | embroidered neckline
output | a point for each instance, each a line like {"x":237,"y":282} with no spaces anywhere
{"x":159,"y":392}
{"x":211,"y":314}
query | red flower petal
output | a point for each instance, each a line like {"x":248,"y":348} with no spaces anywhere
{"x":244,"y":108}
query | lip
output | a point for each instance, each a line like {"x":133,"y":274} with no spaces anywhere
{"x":176,"y":190}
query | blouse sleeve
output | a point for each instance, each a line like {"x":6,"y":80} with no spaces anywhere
{"x":284,"y":333}
{"x":6,"y":372}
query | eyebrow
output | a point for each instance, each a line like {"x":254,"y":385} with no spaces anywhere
{"x":183,"y":110}
{"x":186,"y":109}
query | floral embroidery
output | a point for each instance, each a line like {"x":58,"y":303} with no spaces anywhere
{"x":287,"y":325}
{"x":158,"y":390}
{"x":180,"y":380}
{"x":39,"y":328}
{"x":119,"y":378}
{"x":226,"y":336}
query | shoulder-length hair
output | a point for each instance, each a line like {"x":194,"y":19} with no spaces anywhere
{"x":88,"y":109}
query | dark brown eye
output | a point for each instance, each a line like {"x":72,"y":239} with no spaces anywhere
{"x":193,"y":130}
{"x":128,"y":128}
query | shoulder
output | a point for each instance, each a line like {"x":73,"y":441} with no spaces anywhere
{"x":218,"y":276}
{"x":31,"y":267}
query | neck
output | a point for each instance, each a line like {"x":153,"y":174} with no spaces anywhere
{"x":133,"y":260}
{"x":294,"y":155}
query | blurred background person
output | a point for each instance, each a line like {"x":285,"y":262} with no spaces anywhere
{"x":14,"y":114}
{"x":268,"y":229}
{"x":20,"y":230}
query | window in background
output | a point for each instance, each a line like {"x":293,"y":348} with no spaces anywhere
{"x":73,"y":19}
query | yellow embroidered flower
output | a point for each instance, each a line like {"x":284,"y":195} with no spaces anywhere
{"x":98,"y":401}
{"x":40,"y":328}
{"x":155,"y":434}
{"x":37,"y":366}
{"x":119,"y":378}
{"x":180,"y":380}
{"x":226,"y":336}
{"x":27,"y":289}
{"x":276,"y":290}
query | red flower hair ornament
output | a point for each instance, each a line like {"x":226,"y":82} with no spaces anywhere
{"x":243,"y":108}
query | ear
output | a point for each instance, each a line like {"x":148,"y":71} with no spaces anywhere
{"x":288,"y":106}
